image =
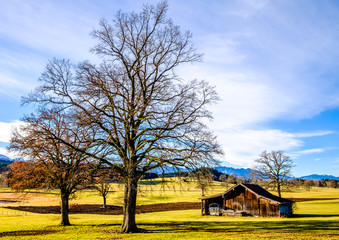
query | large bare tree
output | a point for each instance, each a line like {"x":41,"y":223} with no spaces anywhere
{"x":146,"y":116}
{"x":274,"y":166}
{"x":64,"y":168}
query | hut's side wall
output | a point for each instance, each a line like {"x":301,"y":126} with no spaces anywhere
{"x":268,"y":209}
{"x":251,"y":203}
{"x":235,"y":199}
{"x":243,"y":200}
{"x":248,"y":202}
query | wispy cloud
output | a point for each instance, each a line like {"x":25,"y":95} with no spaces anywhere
{"x":40,"y":25}
{"x":313,"y":134}
{"x":310,"y":151}
{"x":273,"y":61}
{"x":33,"y":32}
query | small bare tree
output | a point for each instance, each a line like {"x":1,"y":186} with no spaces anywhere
{"x":101,"y":182}
{"x":223,"y":180}
{"x":204,"y":179}
{"x":64,"y":168}
{"x":274,"y":167}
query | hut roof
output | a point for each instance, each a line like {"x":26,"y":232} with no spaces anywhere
{"x":257,"y":190}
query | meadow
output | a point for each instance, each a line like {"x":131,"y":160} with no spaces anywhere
{"x":317,"y":219}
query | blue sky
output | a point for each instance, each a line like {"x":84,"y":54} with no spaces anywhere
{"x":274,"y":64}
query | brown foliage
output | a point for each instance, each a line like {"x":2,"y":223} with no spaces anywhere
{"x":26,"y":175}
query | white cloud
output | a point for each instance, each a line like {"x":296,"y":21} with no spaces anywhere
{"x":3,"y":151}
{"x":6,"y":130}
{"x":243,"y":146}
{"x":10,"y":154}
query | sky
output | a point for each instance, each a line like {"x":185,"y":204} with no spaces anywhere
{"x":274,"y":65}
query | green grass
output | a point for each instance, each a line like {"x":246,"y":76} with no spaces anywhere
{"x":314,"y":192}
{"x":319,"y":223}
{"x":313,"y":219}
{"x":155,"y":191}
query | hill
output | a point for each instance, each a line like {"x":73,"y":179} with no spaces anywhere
{"x":5,"y":160}
{"x":245,"y":171}
{"x":319,"y":177}
{"x":234,"y":171}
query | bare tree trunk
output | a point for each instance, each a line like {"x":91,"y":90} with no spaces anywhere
{"x":130,"y":198}
{"x":64,"y":210}
{"x":278,"y":189}
{"x":104,"y":197}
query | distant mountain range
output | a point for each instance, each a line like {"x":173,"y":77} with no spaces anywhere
{"x":319,"y":177}
{"x":238,"y":172}
{"x":4,"y":159}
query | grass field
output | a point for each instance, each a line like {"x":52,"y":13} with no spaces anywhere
{"x":313,"y":219}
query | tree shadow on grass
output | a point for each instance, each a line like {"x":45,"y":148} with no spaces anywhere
{"x":98,"y":225}
{"x":246,"y":226}
{"x":27,"y":233}
{"x":290,"y":226}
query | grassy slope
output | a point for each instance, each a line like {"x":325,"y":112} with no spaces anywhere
{"x":313,"y":220}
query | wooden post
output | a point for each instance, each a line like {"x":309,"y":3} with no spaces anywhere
{"x":206,"y":203}
{"x":259,"y":206}
{"x":243,"y":203}
{"x":279,"y":210}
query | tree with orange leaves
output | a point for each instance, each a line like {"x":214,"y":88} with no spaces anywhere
{"x":43,"y":141}
{"x":26,"y":175}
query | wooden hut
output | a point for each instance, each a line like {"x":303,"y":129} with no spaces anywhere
{"x":246,"y":199}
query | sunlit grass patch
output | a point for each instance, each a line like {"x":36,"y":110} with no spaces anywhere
{"x":313,"y":219}
{"x":186,"y":224}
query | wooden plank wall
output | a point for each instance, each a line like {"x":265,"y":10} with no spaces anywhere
{"x":248,"y":202}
